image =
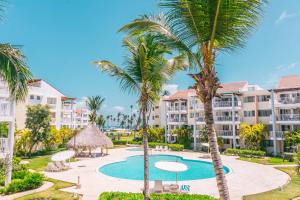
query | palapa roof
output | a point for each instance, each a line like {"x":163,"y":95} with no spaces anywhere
{"x":90,"y":137}
{"x":291,"y":82}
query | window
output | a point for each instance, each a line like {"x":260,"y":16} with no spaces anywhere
{"x":156,"y":116}
{"x":51,"y":100}
{"x":264,"y":113}
{"x":38,"y":98}
{"x":191,"y":115}
{"x":250,"y":113}
{"x":249,"y":99}
{"x":31,"y":97}
{"x":226,"y":141}
{"x":263,"y":98}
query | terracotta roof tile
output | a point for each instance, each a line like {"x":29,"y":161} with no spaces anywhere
{"x":289,"y":82}
{"x":232,"y":87}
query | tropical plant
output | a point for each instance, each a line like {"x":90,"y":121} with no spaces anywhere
{"x":100,"y":122}
{"x":3,"y":129}
{"x":252,"y":136}
{"x":94,"y":104}
{"x":38,"y":123}
{"x":292,"y":139}
{"x":202,"y":29}
{"x":145,"y":72}
{"x":184,"y":134}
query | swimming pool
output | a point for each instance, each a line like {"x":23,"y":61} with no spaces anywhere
{"x":133,"y":169}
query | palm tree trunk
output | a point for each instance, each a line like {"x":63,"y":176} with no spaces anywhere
{"x":214,"y":151}
{"x":146,"y":156}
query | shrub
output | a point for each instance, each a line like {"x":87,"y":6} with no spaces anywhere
{"x":135,"y":142}
{"x":139,"y":196}
{"x":289,"y":157}
{"x":119,"y":142}
{"x":245,"y":152}
{"x":176,"y":147}
{"x":30,"y":181}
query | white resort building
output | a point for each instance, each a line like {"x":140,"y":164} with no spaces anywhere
{"x":65,"y":111}
{"x":240,"y":102}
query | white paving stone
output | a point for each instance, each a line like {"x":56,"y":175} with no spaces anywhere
{"x":244,"y":178}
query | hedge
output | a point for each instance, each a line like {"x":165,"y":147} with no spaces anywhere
{"x":173,"y":147}
{"x":119,"y":142}
{"x":245,"y":152}
{"x":139,"y":196}
{"x":30,"y":181}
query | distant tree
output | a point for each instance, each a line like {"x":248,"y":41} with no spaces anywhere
{"x":252,"y":135}
{"x":292,"y":139}
{"x":100,"y":122}
{"x":184,"y":134}
{"x":38,"y":123}
{"x":94,"y":104}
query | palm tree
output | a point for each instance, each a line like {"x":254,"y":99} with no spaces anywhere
{"x":94,"y":104}
{"x":145,"y":71}
{"x":202,"y":29}
{"x":100,"y":121}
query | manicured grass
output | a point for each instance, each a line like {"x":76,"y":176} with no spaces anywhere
{"x":38,"y":163}
{"x":290,"y":191}
{"x":139,"y":196}
{"x":52,"y":193}
{"x":267,"y":161}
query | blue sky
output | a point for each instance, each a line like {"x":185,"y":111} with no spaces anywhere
{"x":62,"y":37}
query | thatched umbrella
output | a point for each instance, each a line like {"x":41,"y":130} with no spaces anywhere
{"x":90,"y":138}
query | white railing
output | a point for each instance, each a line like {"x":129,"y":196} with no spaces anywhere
{"x":4,"y":109}
{"x":222,"y":104}
{"x":3,"y":145}
{"x":199,"y":119}
{"x":224,"y":132}
{"x":66,"y":120}
{"x":289,"y":100}
{"x":288,"y":117}
{"x":177,"y":120}
{"x":225,"y":118}
{"x":279,"y":134}
{"x":177,"y":108}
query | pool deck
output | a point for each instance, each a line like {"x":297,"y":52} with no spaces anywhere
{"x":244,"y":178}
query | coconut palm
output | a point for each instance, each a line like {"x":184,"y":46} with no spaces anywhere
{"x":100,"y":121}
{"x":202,"y":29}
{"x":14,"y":71}
{"x":94,"y":104}
{"x":145,"y":71}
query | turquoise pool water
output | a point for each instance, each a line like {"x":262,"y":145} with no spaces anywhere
{"x":133,"y":169}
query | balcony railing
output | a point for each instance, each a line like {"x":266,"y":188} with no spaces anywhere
{"x":289,"y":100}
{"x":4,"y":109}
{"x":177,"y":120}
{"x":223,"y":104}
{"x":288,"y":117}
{"x":66,"y":120}
{"x":225,"y":118}
{"x":3,"y":145}
{"x":224,"y":133}
{"x":200,"y":119}
{"x":177,"y":108}
{"x":279,"y":134}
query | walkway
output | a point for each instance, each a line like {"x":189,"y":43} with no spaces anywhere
{"x":245,"y":178}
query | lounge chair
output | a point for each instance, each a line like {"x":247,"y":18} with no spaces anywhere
{"x":156,"y":148}
{"x":158,"y":187}
{"x":51,"y":167}
{"x":166,"y":148}
{"x":185,"y":189}
{"x":61,"y":166}
{"x":161,"y":148}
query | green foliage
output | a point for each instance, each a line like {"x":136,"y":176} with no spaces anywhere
{"x":183,"y":135}
{"x":139,"y":196}
{"x":298,"y":161}
{"x":119,"y":142}
{"x":289,"y":156}
{"x":94,"y":104}
{"x":154,"y":134}
{"x":245,"y":152}
{"x":18,"y":170}
{"x":292,"y":138}
{"x":135,"y":142}
{"x":28,"y":182}
{"x":252,"y":136}
{"x":100,"y":121}
{"x":38,"y":123}
{"x":173,"y":147}
{"x":3,"y":129}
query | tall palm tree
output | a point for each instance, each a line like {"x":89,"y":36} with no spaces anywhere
{"x":100,"y":121}
{"x":145,"y":71}
{"x":202,"y":29}
{"x":94,"y":104}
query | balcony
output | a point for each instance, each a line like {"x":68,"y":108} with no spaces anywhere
{"x":279,"y":135}
{"x":288,"y":117}
{"x":200,"y":119}
{"x":66,"y":120}
{"x":225,"y":119}
{"x":182,"y":120}
{"x":224,"y":104}
{"x":3,"y":145}
{"x":177,"y":108}
{"x":288,"y":102}
{"x":225,"y":133}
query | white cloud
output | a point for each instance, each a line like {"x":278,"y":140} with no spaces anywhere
{"x":279,"y":71}
{"x":285,"y":15}
{"x":118,"y":108}
{"x":171,"y":88}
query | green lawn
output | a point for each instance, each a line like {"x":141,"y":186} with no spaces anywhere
{"x":267,"y":161}
{"x":52,"y":193}
{"x":290,"y":191}
{"x":38,"y":163}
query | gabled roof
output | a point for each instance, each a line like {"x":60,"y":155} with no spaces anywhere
{"x":181,"y":94}
{"x":289,"y":82}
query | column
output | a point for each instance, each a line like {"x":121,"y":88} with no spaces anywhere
{"x":233,"y":121}
{"x":11,"y":141}
{"x":195,"y":122}
{"x":273,"y":122}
